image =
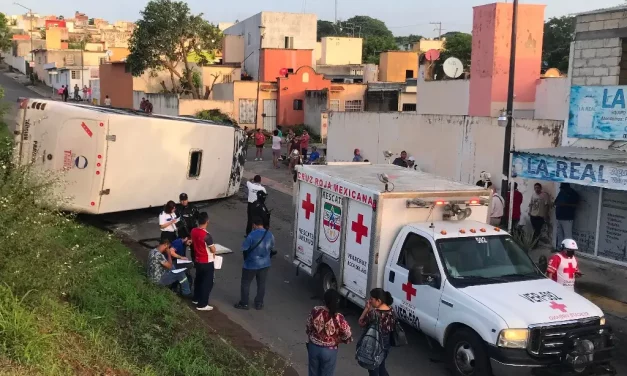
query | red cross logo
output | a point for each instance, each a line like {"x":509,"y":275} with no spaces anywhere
{"x":409,"y":290}
{"x":570,"y":270}
{"x":359,"y":228}
{"x":308,"y":206}
{"x":561,"y":307}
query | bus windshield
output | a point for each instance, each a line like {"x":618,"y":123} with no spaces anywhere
{"x":485,"y":260}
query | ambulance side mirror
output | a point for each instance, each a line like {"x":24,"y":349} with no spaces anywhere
{"x":543,"y":264}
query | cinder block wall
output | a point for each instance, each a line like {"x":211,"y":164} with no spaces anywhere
{"x":599,"y":49}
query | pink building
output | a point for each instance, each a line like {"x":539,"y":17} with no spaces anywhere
{"x":491,"y":36}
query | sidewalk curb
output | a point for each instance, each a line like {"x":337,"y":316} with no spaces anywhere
{"x":613,"y":307}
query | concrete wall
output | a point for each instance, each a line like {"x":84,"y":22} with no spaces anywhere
{"x":340,"y":51}
{"x":217,"y":74}
{"x":18,"y":63}
{"x":193,"y":106}
{"x":233,"y":49}
{"x":394,"y":64}
{"x":246,"y":90}
{"x":162,"y":104}
{"x":552,"y":98}
{"x":448,"y":97}
{"x":456,"y":147}
{"x":347,"y":92}
{"x":278,"y":25}
{"x":598,"y":49}
{"x":275,"y":59}
{"x":316,"y":101}
{"x":95,"y":91}
{"x":117,"y":84}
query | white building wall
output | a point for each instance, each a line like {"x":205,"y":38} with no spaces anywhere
{"x":456,"y":147}
{"x":301,"y":27}
{"x":448,"y":97}
{"x":552,"y":96}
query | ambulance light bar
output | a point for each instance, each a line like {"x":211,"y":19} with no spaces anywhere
{"x":421,"y":203}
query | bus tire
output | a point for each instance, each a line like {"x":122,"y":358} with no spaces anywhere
{"x":466,"y":354}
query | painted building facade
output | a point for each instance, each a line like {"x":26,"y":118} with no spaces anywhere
{"x":398,"y":66}
{"x":280,"y":30}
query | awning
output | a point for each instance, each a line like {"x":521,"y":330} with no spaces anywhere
{"x":606,"y":168}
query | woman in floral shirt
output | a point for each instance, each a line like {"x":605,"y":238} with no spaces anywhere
{"x":379,"y":306}
{"x":326,"y":329}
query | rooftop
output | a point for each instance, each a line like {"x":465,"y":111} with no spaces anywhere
{"x":616,"y":8}
{"x":401,"y":179}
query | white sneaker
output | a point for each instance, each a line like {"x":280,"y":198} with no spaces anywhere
{"x":261,"y":159}
{"x":256,"y":159}
{"x":205,"y":308}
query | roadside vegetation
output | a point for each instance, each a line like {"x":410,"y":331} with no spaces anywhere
{"x":75,"y":301}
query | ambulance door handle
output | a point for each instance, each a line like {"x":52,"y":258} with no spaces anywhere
{"x":391,"y":277}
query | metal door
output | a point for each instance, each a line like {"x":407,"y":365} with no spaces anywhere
{"x":269,"y":114}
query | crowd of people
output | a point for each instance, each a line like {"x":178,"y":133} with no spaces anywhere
{"x":538,"y":210}
{"x":296,"y":147}
{"x":64,"y":93}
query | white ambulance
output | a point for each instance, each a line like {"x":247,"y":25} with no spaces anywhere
{"x":116,"y":159}
{"x":464,"y":283}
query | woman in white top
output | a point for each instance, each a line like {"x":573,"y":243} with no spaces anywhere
{"x":276,"y":148}
{"x":167,"y":222}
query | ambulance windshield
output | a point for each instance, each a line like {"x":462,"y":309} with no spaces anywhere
{"x":485,"y":260}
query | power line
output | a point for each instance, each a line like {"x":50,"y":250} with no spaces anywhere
{"x":438,"y":28}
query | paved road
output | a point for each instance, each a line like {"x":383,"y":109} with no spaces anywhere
{"x":289,"y":297}
{"x":12,"y":91}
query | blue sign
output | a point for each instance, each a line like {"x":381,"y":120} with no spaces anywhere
{"x":598,"y":112}
{"x":543,"y":167}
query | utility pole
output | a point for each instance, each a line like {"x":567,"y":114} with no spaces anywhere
{"x":438,"y":28}
{"x":261,"y":32}
{"x":336,"y":11}
{"x":32,"y":54}
{"x":510,"y":108}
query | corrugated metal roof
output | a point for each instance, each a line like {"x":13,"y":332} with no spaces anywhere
{"x":585,"y":154}
{"x":603,"y":10}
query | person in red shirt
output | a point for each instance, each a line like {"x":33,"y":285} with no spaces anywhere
{"x":204,"y":255}
{"x":518,"y":199}
{"x":304,"y":144}
{"x":326,"y":329}
{"x":563,"y":267}
{"x":260,"y":139}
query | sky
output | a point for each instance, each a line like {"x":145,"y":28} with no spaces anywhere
{"x":406,"y":17}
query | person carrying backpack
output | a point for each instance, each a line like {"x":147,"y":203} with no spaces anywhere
{"x":379,"y":319}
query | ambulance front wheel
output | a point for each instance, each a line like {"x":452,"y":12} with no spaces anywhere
{"x":326,"y":280}
{"x":466,"y":354}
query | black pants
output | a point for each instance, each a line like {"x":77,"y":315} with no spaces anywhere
{"x":304,"y":152}
{"x":381,"y":370}
{"x":247,"y":277}
{"x":249,"y":221}
{"x":537,"y":223}
{"x":203,"y":283}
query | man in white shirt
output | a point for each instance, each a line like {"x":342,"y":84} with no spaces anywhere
{"x":276,"y":148}
{"x":253,"y":187}
{"x":497,"y":206}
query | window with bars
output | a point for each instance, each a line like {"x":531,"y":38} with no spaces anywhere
{"x":409,"y":106}
{"x":352,"y":106}
{"x":76,"y":75}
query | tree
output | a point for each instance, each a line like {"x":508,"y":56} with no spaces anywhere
{"x":42,"y":34}
{"x":409,"y":39}
{"x":377,"y":37}
{"x":6,"y":36}
{"x":458,"y":45}
{"x":451,"y":34}
{"x":558,"y":33}
{"x":165,"y":36}
{"x":326,"y":29}
{"x":374,"y":45}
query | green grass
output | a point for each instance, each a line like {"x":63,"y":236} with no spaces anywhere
{"x":74,"y":300}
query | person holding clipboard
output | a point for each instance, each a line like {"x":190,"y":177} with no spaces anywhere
{"x":167,"y":222}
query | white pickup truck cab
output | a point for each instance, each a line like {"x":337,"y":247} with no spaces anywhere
{"x":463,"y":283}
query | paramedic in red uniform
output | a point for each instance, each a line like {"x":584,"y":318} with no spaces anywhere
{"x":204,"y":255}
{"x":562,"y":266}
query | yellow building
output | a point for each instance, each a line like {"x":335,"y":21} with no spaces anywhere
{"x":425,"y":45}
{"x":57,"y":38}
{"x":398,"y":66}
{"x":340,"y":51}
